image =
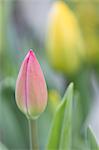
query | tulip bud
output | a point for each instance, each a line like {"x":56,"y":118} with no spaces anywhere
{"x":31,"y":90}
{"x":64,"y":41}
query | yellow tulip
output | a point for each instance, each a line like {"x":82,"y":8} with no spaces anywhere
{"x":89,"y":21}
{"x":64,"y":42}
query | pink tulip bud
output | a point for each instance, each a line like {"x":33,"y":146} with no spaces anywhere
{"x":31,"y":90}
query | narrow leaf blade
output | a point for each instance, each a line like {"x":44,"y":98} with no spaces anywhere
{"x":60,"y":135}
{"x":92,"y":143}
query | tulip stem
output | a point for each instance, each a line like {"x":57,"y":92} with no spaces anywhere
{"x":30,"y":135}
{"x":33,"y":135}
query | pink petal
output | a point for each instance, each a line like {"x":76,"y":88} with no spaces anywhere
{"x":36,"y":87}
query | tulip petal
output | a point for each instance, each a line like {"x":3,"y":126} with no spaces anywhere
{"x":36,"y":87}
{"x":21,"y":86}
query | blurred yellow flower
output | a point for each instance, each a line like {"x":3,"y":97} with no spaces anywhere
{"x":64,"y":42}
{"x":54,"y":99}
{"x":89,"y":21}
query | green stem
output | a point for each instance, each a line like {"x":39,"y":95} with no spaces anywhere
{"x":33,"y":135}
{"x":30,"y":135}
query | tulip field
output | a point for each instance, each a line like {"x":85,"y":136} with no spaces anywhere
{"x":49,"y":75}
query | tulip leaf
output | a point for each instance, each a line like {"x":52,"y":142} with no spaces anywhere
{"x":13,"y":123}
{"x":2,"y":147}
{"x":61,"y":131}
{"x":91,"y":139}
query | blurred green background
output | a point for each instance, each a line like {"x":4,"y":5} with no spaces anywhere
{"x":24,"y":25}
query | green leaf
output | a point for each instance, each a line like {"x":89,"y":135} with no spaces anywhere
{"x":91,"y":139}
{"x":13,"y":123}
{"x":61,"y":131}
{"x":2,"y":147}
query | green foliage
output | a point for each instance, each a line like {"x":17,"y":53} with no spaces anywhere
{"x":2,"y":147}
{"x":66,"y":126}
{"x":91,"y":140}
{"x":13,"y":123}
{"x":61,"y":131}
